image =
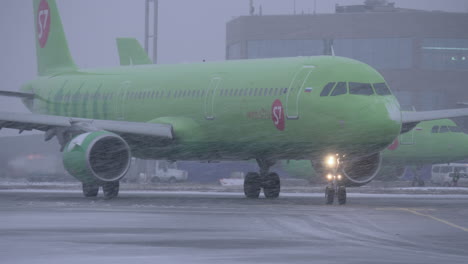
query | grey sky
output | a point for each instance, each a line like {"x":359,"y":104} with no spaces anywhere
{"x":190,"y":31}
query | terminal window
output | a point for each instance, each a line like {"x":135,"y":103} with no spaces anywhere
{"x":234,"y":51}
{"x":445,"y":54}
{"x":258,"y":49}
{"x":381,"y":53}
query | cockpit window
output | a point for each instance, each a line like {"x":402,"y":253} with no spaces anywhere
{"x":455,"y":129}
{"x":444,"y":129}
{"x":360,"y":88}
{"x":327,"y":89}
{"x":340,"y":89}
{"x":381,"y":89}
{"x":435,"y":129}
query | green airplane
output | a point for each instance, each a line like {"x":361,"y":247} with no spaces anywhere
{"x":430,"y":142}
{"x":323,"y":108}
{"x":420,"y":146}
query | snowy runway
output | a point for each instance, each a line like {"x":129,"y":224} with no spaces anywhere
{"x":42,"y":226}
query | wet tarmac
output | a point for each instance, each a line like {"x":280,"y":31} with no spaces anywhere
{"x":195,"y":227}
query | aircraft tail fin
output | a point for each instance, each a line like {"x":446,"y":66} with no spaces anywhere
{"x":131,"y":52}
{"x":53,"y":55}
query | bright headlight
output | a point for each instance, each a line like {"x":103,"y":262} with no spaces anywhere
{"x":330,"y":161}
{"x":330,"y":177}
{"x":339,"y":177}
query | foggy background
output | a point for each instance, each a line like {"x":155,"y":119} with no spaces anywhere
{"x":189,"y":31}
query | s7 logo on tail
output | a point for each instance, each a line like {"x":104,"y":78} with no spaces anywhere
{"x":43,"y":23}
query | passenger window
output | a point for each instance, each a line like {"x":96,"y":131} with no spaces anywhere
{"x":436,"y":169}
{"x":327,"y":89}
{"x":260,"y":92}
{"x":250,"y":91}
{"x":381,"y":89}
{"x":235,"y":92}
{"x":271,"y":92}
{"x":435,"y":129}
{"x":265,"y":93}
{"x":455,"y":129}
{"x":444,"y":129}
{"x":340,"y":89}
{"x":276,"y":92}
{"x":285,"y":90}
{"x":360,"y":88}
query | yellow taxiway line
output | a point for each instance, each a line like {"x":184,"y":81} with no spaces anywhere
{"x":425,"y":215}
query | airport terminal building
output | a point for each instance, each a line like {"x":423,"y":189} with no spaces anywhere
{"x":422,"y":55}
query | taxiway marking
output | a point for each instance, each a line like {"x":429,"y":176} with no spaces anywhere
{"x":425,"y":215}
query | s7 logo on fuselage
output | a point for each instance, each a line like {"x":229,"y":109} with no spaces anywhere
{"x":277,"y":114}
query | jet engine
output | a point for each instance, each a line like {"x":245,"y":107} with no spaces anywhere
{"x":97,"y":157}
{"x":361,"y":171}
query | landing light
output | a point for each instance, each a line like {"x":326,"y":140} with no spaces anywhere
{"x":331,"y":161}
{"x":339,"y":177}
{"x":330,"y":177}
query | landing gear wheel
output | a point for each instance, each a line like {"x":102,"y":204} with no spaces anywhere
{"x":111,"y":189}
{"x":329,"y":195}
{"x":90,"y":189}
{"x":272,"y":186}
{"x":252,"y":185}
{"x":342,"y":195}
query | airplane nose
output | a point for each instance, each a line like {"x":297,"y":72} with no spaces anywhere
{"x":382,"y":122}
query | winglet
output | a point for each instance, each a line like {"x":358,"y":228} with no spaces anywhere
{"x":131,"y":52}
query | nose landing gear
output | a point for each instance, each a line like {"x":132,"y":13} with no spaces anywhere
{"x":335,"y":187}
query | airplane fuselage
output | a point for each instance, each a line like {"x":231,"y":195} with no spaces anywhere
{"x":233,"y":110}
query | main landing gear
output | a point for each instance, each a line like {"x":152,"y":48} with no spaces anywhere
{"x":269,"y":181}
{"x":110,"y":189}
{"x":335,"y":187}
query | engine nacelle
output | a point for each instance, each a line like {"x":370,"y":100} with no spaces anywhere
{"x":361,"y":171}
{"x":97,"y":157}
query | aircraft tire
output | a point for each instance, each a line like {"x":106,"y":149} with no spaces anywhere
{"x":90,"y":190}
{"x":252,"y":185}
{"x":111,"y":189}
{"x":272,"y":186}
{"x":329,"y":195}
{"x":342,"y":195}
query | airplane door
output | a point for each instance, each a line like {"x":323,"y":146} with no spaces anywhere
{"x":210,"y":95}
{"x":296,"y":88}
{"x":121,"y":100}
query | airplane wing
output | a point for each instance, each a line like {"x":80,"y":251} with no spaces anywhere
{"x":411,"y":119}
{"x":52,"y":125}
{"x":17,"y":94}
